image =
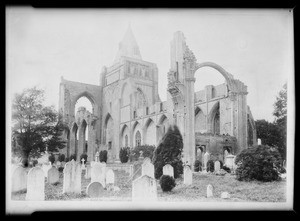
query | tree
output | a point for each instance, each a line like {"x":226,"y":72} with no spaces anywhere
{"x":35,"y":126}
{"x":169,"y":152}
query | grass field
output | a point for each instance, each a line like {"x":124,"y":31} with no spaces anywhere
{"x":253,"y":191}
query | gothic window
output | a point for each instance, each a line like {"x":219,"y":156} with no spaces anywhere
{"x":217,"y":122}
{"x":134,"y":114}
{"x":140,"y":99}
{"x":138,"y":138}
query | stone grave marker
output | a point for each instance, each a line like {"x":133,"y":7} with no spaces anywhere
{"x":94,"y":190}
{"x":53,"y":175}
{"x":148,"y":169}
{"x":209,"y":191}
{"x":35,"y":184}
{"x":110,"y":177}
{"x":217,"y":166}
{"x":147,"y":160}
{"x":45,"y":168}
{"x":225,"y":195}
{"x":168,"y":170}
{"x":19,"y":179}
{"x":72,"y":177}
{"x":144,"y":188}
{"x":229,"y":161}
{"x":206,"y":159}
{"x":98,"y":173}
{"x":187,"y":175}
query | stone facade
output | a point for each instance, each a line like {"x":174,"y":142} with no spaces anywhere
{"x":127,"y":110}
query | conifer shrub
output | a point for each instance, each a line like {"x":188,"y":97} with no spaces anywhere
{"x":61,"y":158}
{"x":67,"y":159}
{"x":261,"y":163}
{"x":60,"y":169}
{"x":210,"y":166}
{"x":169,"y":152}
{"x":167,"y":183}
{"x":197,"y":166}
{"x":124,"y":154}
{"x":103,"y":156}
{"x":51,"y":158}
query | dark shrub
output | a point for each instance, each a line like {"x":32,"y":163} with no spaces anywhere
{"x":210,"y":166}
{"x":227,"y":169}
{"x":34,"y":162}
{"x":83,"y":156}
{"x":25,"y":162}
{"x":147,"y":152}
{"x":67,"y":159}
{"x":103,"y":156}
{"x":197,"y":166}
{"x":124,"y":154}
{"x":167,"y":183}
{"x":261,"y":163}
{"x":73,"y":157}
{"x":61,"y":157}
{"x":221,"y":164}
{"x":51,"y":158}
{"x":169,"y":152}
{"x":60,"y":169}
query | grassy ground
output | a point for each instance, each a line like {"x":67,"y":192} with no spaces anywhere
{"x":239,"y":191}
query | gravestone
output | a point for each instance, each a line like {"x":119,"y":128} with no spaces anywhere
{"x":35,"y":184}
{"x":229,"y":161}
{"x":147,"y":160}
{"x":94,"y":190}
{"x":258,"y":141}
{"x":225,"y":195}
{"x":19,"y":179}
{"x":144,"y":188}
{"x":53,"y":175}
{"x":168,"y":170}
{"x":88,"y":172}
{"x":148,"y":169}
{"x":72,"y":177}
{"x":110,"y":177}
{"x":217,"y":166}
{"x":98,"y":173}
{"x":206,"y":159}
{"x":187,"y":175}
{"x":209,"y":191}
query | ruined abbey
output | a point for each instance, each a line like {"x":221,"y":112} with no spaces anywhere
{"x":127,"y":110}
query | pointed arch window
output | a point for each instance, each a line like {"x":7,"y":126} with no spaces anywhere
{"x":138,"y":138}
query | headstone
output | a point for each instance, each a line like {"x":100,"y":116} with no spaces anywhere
{"x":187,"y":175}
{"x":258,"y":141}
{"x":168,"y":170}
{"x":94,"y":189}
{"x":209,"y":191}
{"x":217,"y":166}
{"x":110,"y":177}
{"x":98,"y":173}
{"x":53,"y":175}
{"x":144,"y":188}
{"x":88,"y":172}
{"x":146,"y":160}
{"x":35,"y":184}
{"x":206,"y":159}
{"x":229,"y":161}
{"x":72,"y":177}
{"x":19,"y":179}
{"x":148,"y":169}
{"x":225,"y":195}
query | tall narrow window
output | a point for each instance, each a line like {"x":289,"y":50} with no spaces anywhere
{"x":138,"y":138}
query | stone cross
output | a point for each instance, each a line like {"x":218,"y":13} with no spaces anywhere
{"x":144,"y":188}
{"x":35,"y":184}
{"x":187,"y":175}
{"x":110,"y":177}
{"x":209,"y":191}
{"x":168,"y":170}
{"x":82,"y":164}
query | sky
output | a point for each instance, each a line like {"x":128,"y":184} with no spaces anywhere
{"x":255,"y":46}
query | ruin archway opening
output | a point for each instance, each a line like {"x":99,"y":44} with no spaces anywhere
{"x":85,"y":102}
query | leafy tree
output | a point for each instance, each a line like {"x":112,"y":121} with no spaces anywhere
{"x":169,"y":152}
{"x":35,"y":126}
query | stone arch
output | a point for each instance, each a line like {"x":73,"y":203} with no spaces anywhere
{"x":214,"y":118}
{"x":228,"y":77}
{"x":149,"y":131}
{"x":124,"y":136}
{"x":108,"y":131}
{"x":89,"y":96}
{"x":140,"y":99}
{"x":200,"y":120}
{"x":162,"y":127}
{"x":82,"y":144}
{"x":136,"y":128}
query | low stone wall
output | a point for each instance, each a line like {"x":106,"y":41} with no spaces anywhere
{"x":127,"y":167}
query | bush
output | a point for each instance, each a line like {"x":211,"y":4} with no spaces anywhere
{"x":73,"y":157}
{"x":169,"y":152}
{"x":124,"y":154}
{"x":147,"y":152}
{"x":60,"y":169}
{"x":25,"y":162}
{"x":103,"y":156}
{"x":67,"y":159}
{"x":34,"y":162}
{"x":261,"y":163}
{"x":227,"y":169}
{"x":210,"y":166}
{"x":51,"y":158}
{"x":83,"y":156}
{"x":197,"y":166}
{"x":167,"y":183}
{"x":61,"y":158}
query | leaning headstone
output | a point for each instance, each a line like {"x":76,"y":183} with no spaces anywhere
{"x":53,"y":175}
{"x":225,"y":195}
{"x":148,"y":169}
{"x":35,"y":184}
{"x":258,"y":141}
{"x":94,"y":190}
{"x":110,"y":177}
{"x":217,"y":166}
{"x":98,"y":173}
{"x":72,"y":177}
{"x":88,"y":172}
{"x":209,"y":191}
{"x":206,"y":159}
{"x":168,"y":170}
{"x":187,"y":175}
{"x":19,"y":179}
{"x":144,"y":188}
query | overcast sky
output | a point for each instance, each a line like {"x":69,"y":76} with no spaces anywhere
{"x":253,"y":45}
